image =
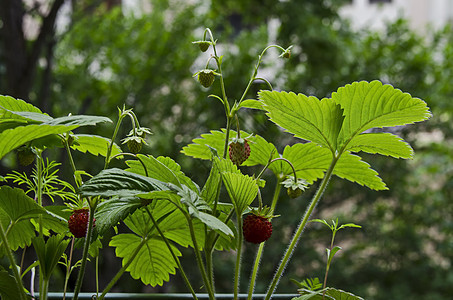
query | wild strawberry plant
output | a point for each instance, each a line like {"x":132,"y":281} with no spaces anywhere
{"x":162,"y":207}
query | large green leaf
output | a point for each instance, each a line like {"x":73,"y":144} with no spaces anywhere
{"x":353,"y":168}
{"x":381,"y":143}
{"x":369,"y":105}
{"x":153,"y":263}
{"x":241,"y":188}
{"x":94,"y":144}
{"x":307,"y":118}
{"x":16,"y":212}
{"x":117,"y":182}
{"x":200,"y":147}
{"x":331,"y":294}
{"x":49,"y":252}
{"x":161,"y":168}
{"x":78,"y":120}
{"x":309,"y":160}
{"x":113,"y":210}
{"x":19,"y":111}
{"x":16,"y":209}
{"x":260,"y":149}
{"x":9,"y":289}
{"x":10,"y":139}
{"x":171,"y":222}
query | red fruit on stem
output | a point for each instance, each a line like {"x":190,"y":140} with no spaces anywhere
{"x":78,"y":222}
{"x":256,"y":229}
{"x":239,"y":151}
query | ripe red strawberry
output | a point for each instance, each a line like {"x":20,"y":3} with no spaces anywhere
{"x":206,"y":77}
{"x":78,"y":222}
{"x":239,"y":151}
{"x":256,"y":229}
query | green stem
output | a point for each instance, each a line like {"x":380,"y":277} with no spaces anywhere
{"x":255,"y":71}
{"x":68,"y":268}
{"x":123,"y":269}
{"x":39,"y":186}
{"x":328,"y":265}
{"x":199,"y":258}
{"x":44,"y":289}
{"x":71,"y":160}
{"x":115,"y":132}
{"x":86,"y":247}
{"x":238,"y":258}
{"x":259,"y":253}
{"x":301,"y":227}
{"x":175,"y":258}
{"x":12,"y":262}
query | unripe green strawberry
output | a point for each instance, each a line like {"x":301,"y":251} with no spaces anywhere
{"x":25,"y":156}
{"x":294,"y":192}
{"x":256,"y":229}
{"x":204,"y":45}
{"x":206,"y":77}
{"x":78,"y":222}
{"x":134,"y":144}
{"x":239,"y":151}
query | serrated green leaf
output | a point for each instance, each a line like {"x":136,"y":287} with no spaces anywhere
{"x":27,"y":116}
{"x":214,"y":223}
{"x":369,"y":105}
{"x":312,"y":295}
{"x":381,"y":143}
{"x":353,"y":168}
{"x":9,"y":289}
{"x":49,"y":252}
{"x":117,"y":182}
{"x":10,"y":103}
{"x":261,"y":151}
{"x":202,"y":147}
{"x":11,"y":108}
{"x":199,"y":147}
{"x":162,"y":168}
{"x":113,"y":210}
{"x":10,"y":139}
{"x":78,"y":120}
{"x":18,"y":205}
{"x":211,"y":189}
{"x":242,"y":190}
{"x":16,"y":212}
{"x":331,"y":253}
{"x":252,"y":103}
{"x":309,"y":160}
{"x":153,"y":263}
{"x":171,"y":222}
{"x":94,"y":144}
{"x":341,"y":295}
{"x":307,"y":118}
{"x":19,"y":235}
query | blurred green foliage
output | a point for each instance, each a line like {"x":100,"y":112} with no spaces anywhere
{"x":405,"y":249}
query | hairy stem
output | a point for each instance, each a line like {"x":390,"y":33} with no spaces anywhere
{"x":12,"y":262}
{"x":86,"y":247}
{"x":259,"y":253}
{"x":238,"y":258}
{"x":199,"y":259}
{"x":123,"y":269}
{"x":300,"y":228}
{"x":175,"y":258}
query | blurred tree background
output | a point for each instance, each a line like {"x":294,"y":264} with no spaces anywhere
{"x":105,"y":57}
